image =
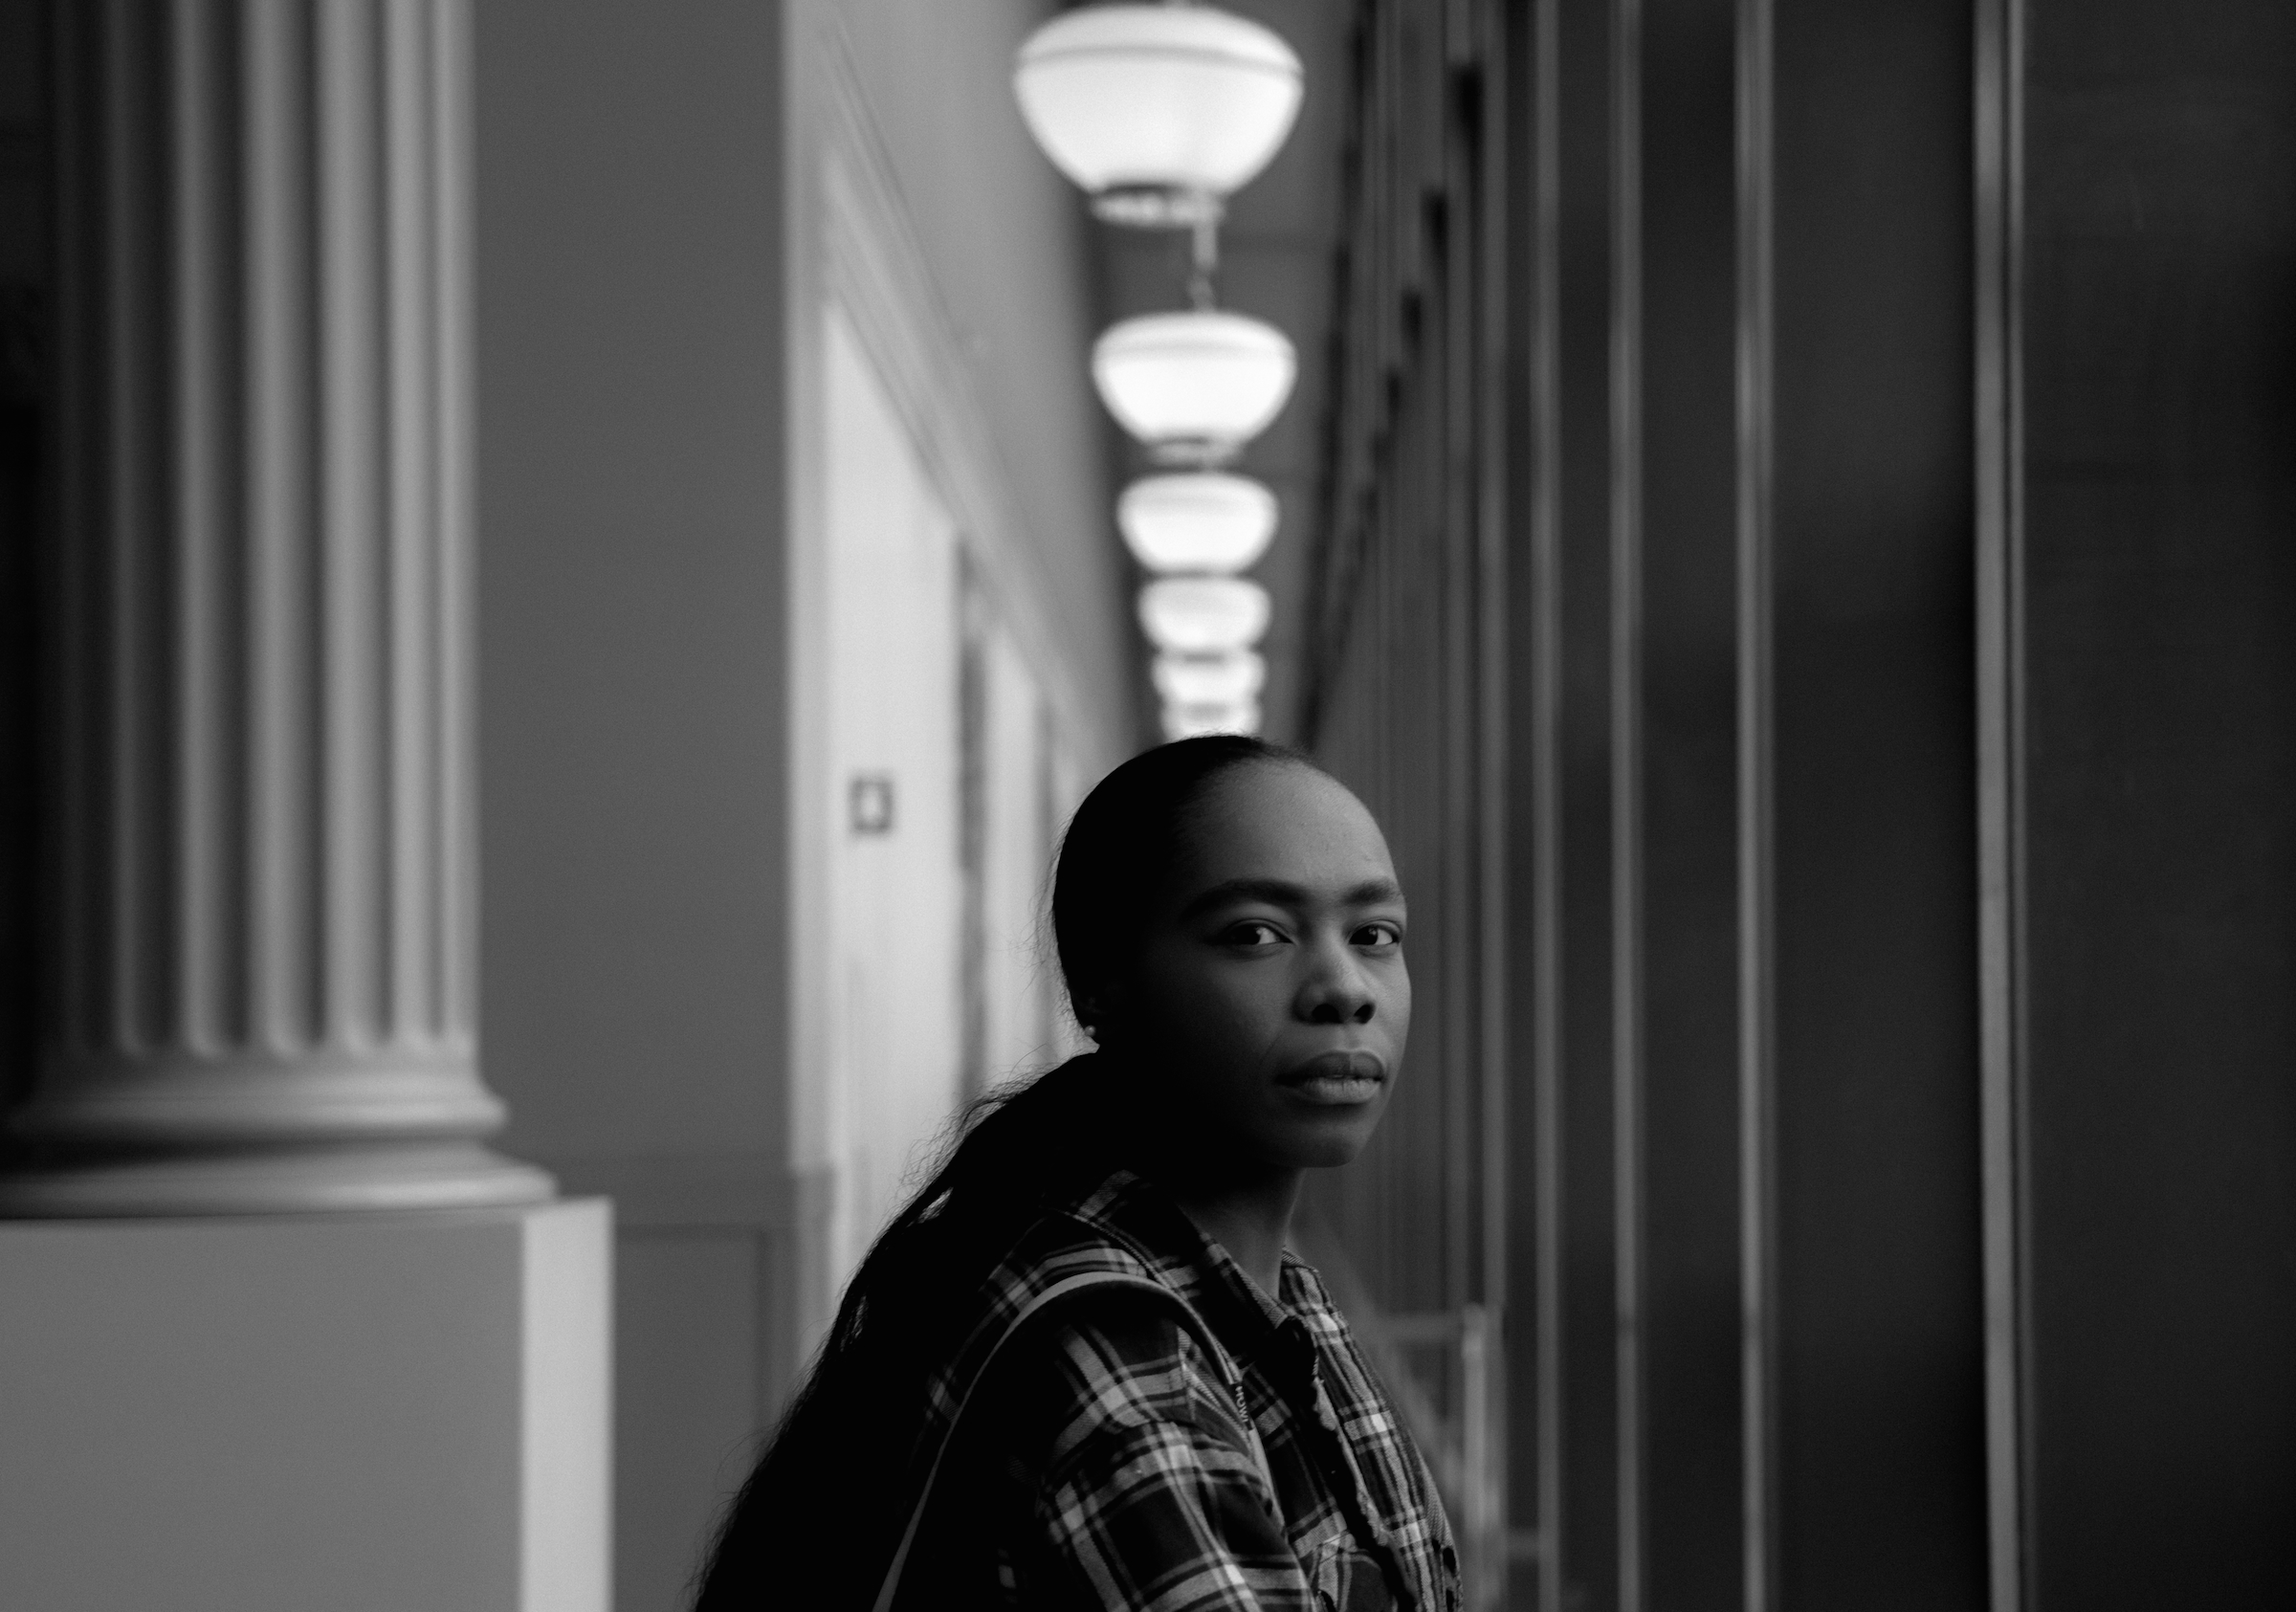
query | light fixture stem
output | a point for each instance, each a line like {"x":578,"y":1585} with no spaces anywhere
{"x":1205,"y":262}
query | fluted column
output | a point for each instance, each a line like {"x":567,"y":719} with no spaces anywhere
{"x":259,"y":931}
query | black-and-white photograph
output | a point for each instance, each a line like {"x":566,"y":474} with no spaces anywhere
{"x":1147,"y":806}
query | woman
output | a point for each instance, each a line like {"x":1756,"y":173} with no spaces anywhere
{"x":1185,"y":1423}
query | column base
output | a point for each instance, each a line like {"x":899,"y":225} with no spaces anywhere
{"x":272,"y":1182}
{"x":273,"y":1416}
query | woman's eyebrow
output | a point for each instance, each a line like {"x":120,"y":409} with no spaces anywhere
{"x":1277,"y":892}
{"x":1274,"y":892}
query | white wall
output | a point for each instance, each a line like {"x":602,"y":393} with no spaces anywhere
{"x":1018,"y":981}
{"x":896,"y":1048}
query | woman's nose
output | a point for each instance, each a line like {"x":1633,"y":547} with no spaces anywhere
{"x":1337,"y":992}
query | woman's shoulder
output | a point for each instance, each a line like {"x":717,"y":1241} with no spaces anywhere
{"x":1114,"y":1229}
{"x":1104,"y":1310}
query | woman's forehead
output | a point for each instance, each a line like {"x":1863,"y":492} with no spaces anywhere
{"x":1281,"y":822}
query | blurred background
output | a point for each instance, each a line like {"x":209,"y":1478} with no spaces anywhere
{"x":564,"y":571}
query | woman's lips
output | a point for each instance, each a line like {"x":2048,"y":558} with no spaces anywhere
{"x":1337,"y":1079}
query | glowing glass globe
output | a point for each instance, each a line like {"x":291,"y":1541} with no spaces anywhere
{"x":1195,"y":386}
{"x":1189,"y":721}
{"x":1158,"y":111}
{"x":1208,"y":679}
{"x":1204,"y":615}
{"x":1201,"y":522}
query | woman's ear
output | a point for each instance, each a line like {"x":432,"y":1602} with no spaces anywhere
{"x":1101,"y":1011}
{"x":1089,"y":1011}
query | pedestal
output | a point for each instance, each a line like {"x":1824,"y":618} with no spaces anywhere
{"x":286,"y":1414}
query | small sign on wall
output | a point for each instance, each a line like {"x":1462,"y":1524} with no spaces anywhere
{"x":868,"y":802}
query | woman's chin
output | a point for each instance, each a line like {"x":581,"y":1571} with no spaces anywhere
{"x":1332,"y":1156}
{"x":1336,"y":1136}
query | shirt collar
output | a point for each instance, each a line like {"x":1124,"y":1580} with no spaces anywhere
{"x":1279,"y":1329}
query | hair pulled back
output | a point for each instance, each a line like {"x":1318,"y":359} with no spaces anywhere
{"x":1118,"y":850}
{"x":822,"y":1513}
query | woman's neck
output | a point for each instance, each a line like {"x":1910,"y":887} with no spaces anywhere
{"x":1244,"y":1206}
{"x":1251,"y":1220}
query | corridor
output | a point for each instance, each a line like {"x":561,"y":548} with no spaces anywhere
{"x":568,"y":562}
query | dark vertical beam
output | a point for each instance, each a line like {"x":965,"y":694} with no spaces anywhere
{"x":1691,"y":1411}
{"x":1756,"y":348}
{"x":1540,"y":814}
{"x":1497,"y":379}
{"x":1473,"y":832}
{"x":1453,"y":220}
{"x":1627,"y":780}
{"x":2000,"y":794}
{"x":1586,"y":471}
{"x":1874,"y":1282}
{"x":2156,"y":419}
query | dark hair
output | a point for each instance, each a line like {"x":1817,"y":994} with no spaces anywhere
{"x":1118,"y":849}
{"x":822,"y":1513}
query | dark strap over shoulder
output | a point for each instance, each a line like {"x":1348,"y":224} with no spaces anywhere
{"x":1056,"y":1294}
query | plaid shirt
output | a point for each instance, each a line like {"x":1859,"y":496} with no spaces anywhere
{"x":1121,"y":1475}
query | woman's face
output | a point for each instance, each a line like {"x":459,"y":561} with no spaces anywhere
{"x":1270,"y":991}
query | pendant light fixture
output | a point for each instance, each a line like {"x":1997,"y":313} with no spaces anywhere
{"x":1158,"y":111}
{"x":1203,"y":522}
{"x":1220,"y":680}
{"x":1204,"y":615}
{"x":1195,"y":386}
